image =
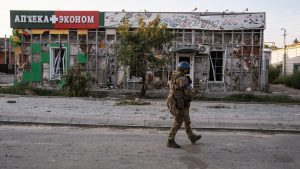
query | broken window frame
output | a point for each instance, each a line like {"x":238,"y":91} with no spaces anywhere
{"x":213,"y":67}
{"x":57,"y":73}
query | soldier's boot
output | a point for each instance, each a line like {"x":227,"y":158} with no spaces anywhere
{"x":173,"y":144}
{"x":195,"y":138}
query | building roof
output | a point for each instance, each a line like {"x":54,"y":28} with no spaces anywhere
{"x":294,"y":45}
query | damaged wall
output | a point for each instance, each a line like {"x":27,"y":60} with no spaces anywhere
{"x":231,"y":62}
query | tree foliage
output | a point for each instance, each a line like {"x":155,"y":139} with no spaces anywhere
{"x":136,"y":47}
{"x":296,"y":41}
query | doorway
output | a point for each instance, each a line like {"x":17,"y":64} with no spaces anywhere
{"x":180,"y":57}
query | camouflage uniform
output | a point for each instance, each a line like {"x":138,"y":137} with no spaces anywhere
{"x":178,"y":102}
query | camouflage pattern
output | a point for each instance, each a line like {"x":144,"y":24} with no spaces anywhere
{"x":178,"y":102}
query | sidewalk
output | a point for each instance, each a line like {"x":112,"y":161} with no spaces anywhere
{"x":104,"y":113}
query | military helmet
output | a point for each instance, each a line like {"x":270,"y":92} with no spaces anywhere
{"x":183,"y":65}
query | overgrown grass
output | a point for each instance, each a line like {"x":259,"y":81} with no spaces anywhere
{"x":132,"y":102}
{"x":219,"y":106}
{"x":261,"y":98}
{"x":290,"y":80}
{"x":293,"y":80}
{"x":25,"y":89}
{"x":48,"y":92}
{"x":12,"y":90}
{"x":252,"y":98}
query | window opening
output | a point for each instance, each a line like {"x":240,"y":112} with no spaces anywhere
{"x":57,"y":68}
{"x":216,"y":66}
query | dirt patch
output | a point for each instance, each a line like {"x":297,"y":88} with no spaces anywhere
{"x":282,"y":89}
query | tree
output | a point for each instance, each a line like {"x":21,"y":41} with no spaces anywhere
{"x":296,"y":41}
{"x":136,"y":48}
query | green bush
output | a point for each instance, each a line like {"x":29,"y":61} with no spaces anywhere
{"x":274,"y":73}
{"x":29,"y":89}
{"x":293,"y":80}
{"x":18,"y":90}
{"x":78,"y":83}
{"x":248,"y":97}
{"x":279,"y":80}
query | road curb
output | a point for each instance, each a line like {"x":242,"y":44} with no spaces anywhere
{"x":86,"y":125}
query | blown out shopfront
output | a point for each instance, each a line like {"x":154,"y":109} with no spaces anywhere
{"x":224,"y":49}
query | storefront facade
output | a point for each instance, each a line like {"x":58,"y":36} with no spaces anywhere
{"x":224,"y":49}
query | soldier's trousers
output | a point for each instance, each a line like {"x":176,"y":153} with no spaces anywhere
{"x":181,"y":116}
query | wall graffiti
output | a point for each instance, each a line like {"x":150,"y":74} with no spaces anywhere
{"x":192,"y":20}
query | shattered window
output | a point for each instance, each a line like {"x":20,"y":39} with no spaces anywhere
{"x":216,"y":66}
{"x":45,"y":37}
{"x":228,"y":38}
{"x":178,"y":37}
{"x":198,"y":37}
{"x":237,"y":38}
{"x":57,"y":63}
{"x":92,"y":37}
{"x":73,"y":36}
{"x":54,"y":38}
{"x":36,"y":38}
{"x":256,"y":39}
{"x":208,"y":37}
{"x":218,"y":38}
{"x":187,"y":37}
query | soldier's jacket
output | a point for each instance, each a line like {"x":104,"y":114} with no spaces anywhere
{"x":180,"y":92}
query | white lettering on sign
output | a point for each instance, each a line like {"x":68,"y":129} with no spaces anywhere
{"x":31,"y":19}
{"x":90,"y":19}
{"x":46,"y":19}
{"x":39,"y":18}
{"x":76,"y":19}
{"x":23,"y":18}
{"x":53,"y":19}
{"x":17,"y":19}
{"x":72,"y":19}
{"x":83,"y":20}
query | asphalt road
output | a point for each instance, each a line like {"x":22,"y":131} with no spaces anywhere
{"x":100,"y":148}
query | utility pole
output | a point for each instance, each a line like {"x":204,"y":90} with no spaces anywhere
{"x":284,"y":54}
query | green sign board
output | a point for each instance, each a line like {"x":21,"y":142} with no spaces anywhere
{"x":56,"y":19}
{"x":31,"y":19}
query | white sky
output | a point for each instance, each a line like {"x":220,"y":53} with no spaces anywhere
{"x":279,"y":13}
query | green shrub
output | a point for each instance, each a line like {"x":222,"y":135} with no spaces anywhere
{"x":18,"y":90}
{"x":29,"y":89}
{"x":293,"y":80}
{"x":279,"y":80}
{"x":273,"y":73}
{"x":248,"y":97}
{"x":78,"y":83}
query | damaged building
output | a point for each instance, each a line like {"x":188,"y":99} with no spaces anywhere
{"x":291,"y":63}
{"x":224,"y":49}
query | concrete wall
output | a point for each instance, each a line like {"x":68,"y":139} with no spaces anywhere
{"x":292,"y":57}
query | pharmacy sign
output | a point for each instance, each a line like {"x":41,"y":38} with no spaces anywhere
{"x":55,"y":19}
